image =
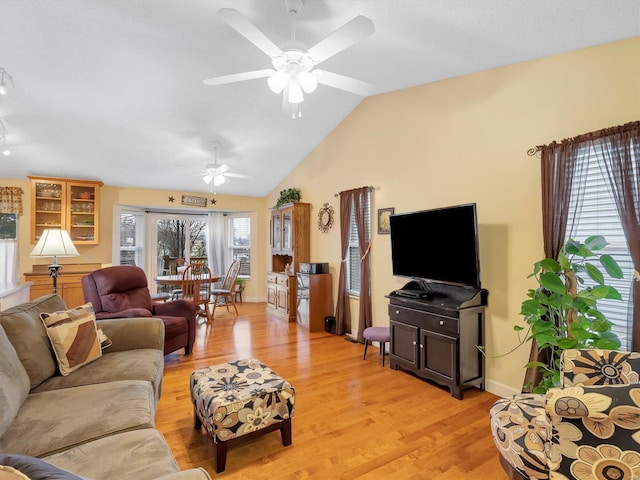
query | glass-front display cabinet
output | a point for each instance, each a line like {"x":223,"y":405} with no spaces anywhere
{"x":72,"y":205}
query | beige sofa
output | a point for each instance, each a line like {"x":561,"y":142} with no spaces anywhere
{"x":98,"y":421}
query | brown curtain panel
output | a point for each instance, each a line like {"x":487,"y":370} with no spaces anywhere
{"x":562,"y":164}
{"x":11,"y":200}
{"x":361,"y":204}
{"x":559,"y":163}
{"x":343,"y":312}
{"x":620,"y":148}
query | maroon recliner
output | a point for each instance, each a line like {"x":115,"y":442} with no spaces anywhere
{"x":121,"y":291}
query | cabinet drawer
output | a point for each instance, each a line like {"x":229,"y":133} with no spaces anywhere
{"x":283,"y":280}
{"x":425,"y":320}
{"x":272,"y":278}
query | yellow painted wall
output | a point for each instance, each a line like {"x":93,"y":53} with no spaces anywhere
{"x":155,"y":199}
{"x":465,"y":140}
{"x":455,"y":141}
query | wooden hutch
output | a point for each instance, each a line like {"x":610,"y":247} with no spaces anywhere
{"x":289,"y":239}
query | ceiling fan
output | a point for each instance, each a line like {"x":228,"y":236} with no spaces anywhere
{"x":218,"y":174}
{"x":294,"y":69}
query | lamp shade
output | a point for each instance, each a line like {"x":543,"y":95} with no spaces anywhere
{"x":55,"y":242}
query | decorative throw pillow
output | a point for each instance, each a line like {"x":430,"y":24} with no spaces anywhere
{"x":10,"y":473}
{"x":74,"y":337}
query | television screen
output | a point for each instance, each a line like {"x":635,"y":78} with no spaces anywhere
{"x":439,"y":245}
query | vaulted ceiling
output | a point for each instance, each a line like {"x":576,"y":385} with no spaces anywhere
{"x":112,"y":90}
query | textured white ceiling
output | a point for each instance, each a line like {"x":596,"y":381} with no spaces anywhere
{"x":112,"y":90}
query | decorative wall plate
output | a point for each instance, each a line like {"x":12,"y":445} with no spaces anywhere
{"x":325,"y":218}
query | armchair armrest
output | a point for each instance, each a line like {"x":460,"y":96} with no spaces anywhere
{"x":133,"y":333}
{"x":176,"y":308}
{"x":128,"y":313}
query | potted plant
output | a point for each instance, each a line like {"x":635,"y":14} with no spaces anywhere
{"x":561,"y":313}
{"x":288,"y":195}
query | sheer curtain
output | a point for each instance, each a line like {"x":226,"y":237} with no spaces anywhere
{"x":343,"y":312}
{"x":215,"y":243}
{"x":620,"y":148}
{"x":356,"y":199}
{"x":10,"y":259}
{"x":10,"y":202}
{"x":563,"y":179}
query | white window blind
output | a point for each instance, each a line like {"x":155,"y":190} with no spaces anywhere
{"x":599,"y":216}
{"x":131,"y":238}
{"x":353,"y":252}
{"x":240,"y":243}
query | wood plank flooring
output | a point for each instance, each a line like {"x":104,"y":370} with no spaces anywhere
{"x":354,"y":419}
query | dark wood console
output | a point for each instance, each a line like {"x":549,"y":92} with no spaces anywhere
{"x":435,"y":337}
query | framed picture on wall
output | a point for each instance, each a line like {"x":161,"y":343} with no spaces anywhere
{"x":384,"y":225}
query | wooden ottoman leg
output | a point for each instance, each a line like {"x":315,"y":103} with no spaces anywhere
{"x":285,"y":431}
{"x":221,"y":456}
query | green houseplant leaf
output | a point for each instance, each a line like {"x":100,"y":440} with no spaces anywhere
{"x":562,"y":313}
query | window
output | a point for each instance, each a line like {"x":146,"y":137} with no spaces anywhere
{"x":131,"y":239}
{"x":599,"y":216}
{"x":353,"y":251}
{"x":8,"y":226}
{"x":240,"y":243}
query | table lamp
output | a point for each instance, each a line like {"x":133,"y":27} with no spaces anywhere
{"x":55,"y":243}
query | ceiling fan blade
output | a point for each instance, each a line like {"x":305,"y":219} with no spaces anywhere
{"x":238,"y":77}
{"x":341,"y":82}
{"x":222,"y":168}
{"x":244,"y":27}
{"x":349,"y":34}
{"x":236,"y":175}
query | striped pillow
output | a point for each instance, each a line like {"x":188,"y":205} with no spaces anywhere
{"x":74,"y":337}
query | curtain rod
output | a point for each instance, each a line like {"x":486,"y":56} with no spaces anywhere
{"x":338,"y":194}
{"x":588,"y":136}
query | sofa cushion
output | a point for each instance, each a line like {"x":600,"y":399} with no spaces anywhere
{"x":140,"y":454}
{"x":28,"y":336}
{"x":74,"y":337}
{"x":72,"y":416}
{"x":14,"y":383}
{"x":141,"y":364}
{"x":34,"y":469}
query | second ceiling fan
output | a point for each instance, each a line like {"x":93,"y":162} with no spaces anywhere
{"x":294,"y":69}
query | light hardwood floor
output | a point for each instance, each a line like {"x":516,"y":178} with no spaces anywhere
{"x":353,"y":418}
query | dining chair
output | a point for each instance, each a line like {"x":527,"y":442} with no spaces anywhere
{"x":196,"y":285}
{"x":226,"y":295}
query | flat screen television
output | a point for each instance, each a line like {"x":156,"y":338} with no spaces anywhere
{"x":438,"y":245}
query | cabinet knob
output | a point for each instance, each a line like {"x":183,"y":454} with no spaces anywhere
{"x":421,"y":346}
{"x":397,"y":312}
{"x":414,"y":343}
{"x":441,"y":322}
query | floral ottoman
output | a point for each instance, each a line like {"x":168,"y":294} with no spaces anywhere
{"x":240,"y":398}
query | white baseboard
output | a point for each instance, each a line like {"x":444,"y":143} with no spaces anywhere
{"x":500,"y":389}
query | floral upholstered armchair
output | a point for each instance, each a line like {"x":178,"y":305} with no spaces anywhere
{"x":588,"y":430}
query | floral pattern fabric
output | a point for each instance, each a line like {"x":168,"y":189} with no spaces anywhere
{"x":233,"y":399}
{"x":588,"y":430}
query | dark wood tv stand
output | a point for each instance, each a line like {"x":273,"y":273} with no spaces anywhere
{"x":436,"y":337}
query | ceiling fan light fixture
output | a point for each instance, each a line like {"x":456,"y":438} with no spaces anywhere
{"x":278,"y":81}
{"x":219,"y":180}
{"x":207,"y":179}
{"x":294,"y":93}
{"x":307,"y":81}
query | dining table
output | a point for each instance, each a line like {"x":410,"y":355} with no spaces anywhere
{"x":176,"y":281}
